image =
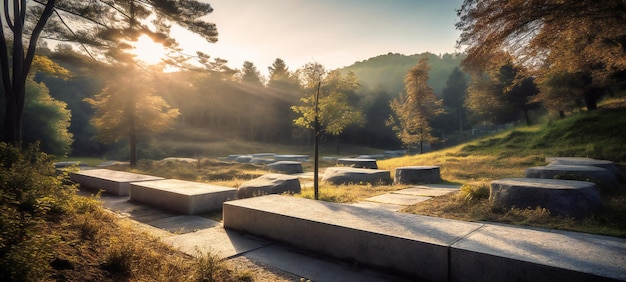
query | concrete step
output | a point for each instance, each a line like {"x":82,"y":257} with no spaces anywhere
{"x":111,"y":181}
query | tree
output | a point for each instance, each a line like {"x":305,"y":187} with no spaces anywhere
{"x":335,"y":110}
{"x":502,"y":94}
{"x":99,"y":27}
{"x":414,"y":110}
{"x":585,"y":36}
{"x":283,"y":91}
{"x":128,"y":108}
{"x":46,"y":120}
{"x":454,"y":96}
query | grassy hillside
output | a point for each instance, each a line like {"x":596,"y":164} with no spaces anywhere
{"x":599,"y":135}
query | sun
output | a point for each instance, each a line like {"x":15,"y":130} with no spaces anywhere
{"x":148,"y":51}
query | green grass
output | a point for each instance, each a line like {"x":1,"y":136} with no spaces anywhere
{"x":474,"y":165}
{"x":597,"y":135}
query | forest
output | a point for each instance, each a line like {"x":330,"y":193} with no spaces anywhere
{"x":75,"y":104}
{"x":230,"y":104}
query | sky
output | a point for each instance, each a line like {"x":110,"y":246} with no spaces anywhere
{"x":335,"y":33}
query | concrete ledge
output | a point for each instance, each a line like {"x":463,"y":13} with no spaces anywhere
{"x":510,"y":253}
{"x":427,"y":248}
{"x":111,"y":181}
{"x":181,"y":196}
{"x":411,"y":244}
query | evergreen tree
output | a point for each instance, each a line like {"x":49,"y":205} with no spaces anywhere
{"x":97,"y":26}
{"x":128,"y":108}
{"x":414,"y":110}
{"x":454,"y":97}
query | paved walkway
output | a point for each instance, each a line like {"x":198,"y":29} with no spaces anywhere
{"x":196,"y":235}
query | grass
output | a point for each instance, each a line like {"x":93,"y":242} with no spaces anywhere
{"x":474,"y":165}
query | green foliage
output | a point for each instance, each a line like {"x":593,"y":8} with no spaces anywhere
{"x":336,"y":111}
{"x":30,"y":193}
{"x":414,"y":111}
{"x":46,"y":120}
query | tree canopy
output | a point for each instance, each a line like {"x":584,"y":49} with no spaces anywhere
{"x":104,"y":29}
{"x":569,"y":35}
{"x":414,"y":111}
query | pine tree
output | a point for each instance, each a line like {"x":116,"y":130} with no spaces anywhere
{"x":128,"y":108}
{"x":414,"y":110}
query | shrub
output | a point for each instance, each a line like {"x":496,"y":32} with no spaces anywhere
{"x":30,"y":193}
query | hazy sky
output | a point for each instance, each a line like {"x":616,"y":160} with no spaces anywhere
{"x":335,"y":33}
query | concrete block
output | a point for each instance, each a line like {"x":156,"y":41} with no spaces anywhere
{"x":181,"y":196}
{"x":513,"y":253}
{"x":411,"y":244}
{"x":351,"y":175}
{"x":111,"y":181}
{"x":358,"y":162}
{"x":417,"y":174}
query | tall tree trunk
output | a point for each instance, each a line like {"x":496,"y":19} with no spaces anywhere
{"x":14,"y":80}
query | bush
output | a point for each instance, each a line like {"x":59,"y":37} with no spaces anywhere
{"x":31,"y":192}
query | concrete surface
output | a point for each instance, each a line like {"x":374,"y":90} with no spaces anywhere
{"x":427,"y":248}
{"x":394,"y":241}
{"x":358,"y":162}
{"x":397,"y":199}
{"x":560,"y":197}
{"x":417,"y":174}
{"x":351,"y":175}
{"x":182,"y":196}
{"x":112,"y":181}
{"x":512,"y":253}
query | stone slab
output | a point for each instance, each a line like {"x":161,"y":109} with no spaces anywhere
{"x":394,"y":241}
{"x":426,"y":192}
{"x":217,"y":240}
{"x":358,"y":162}
{"x":513,"y":253}
{"x":582,"y":162}
{"x":398,"y":199}
{"x":561,"y":197}
{"x":381,"y":206}
{"x":182,"y":196}
{"x":601,"y":176}
{"x":297,"y":158}
{"x":111,"y":181}
{"x":184,"y":223}
{"x":351,"y":175}
{"x":417,"y":174}
{"x":316,"y":268}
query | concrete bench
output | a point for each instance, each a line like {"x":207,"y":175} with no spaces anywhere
{"x":269,"y":184}
{"x":601,"y":176}
{"x":583,"y":162}
{"x":181,"y":196}
{"x":427,"y":248}
{"x":410,"y":244}
{"x":417,"y":175}
{"x":357,"y":162}
{"x":111,"y":181}
{"x":351,"y":175}
{"x":288,"y":167}
{"x":561,"y":197}
{"x":295,"y":158}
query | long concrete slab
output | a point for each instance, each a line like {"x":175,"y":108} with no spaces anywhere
{"x":405,"y":243}
{"x":427,"y":248}
{"x":509,"y":253}
{"x":181,"y":196}
{"x":111,"y":181}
